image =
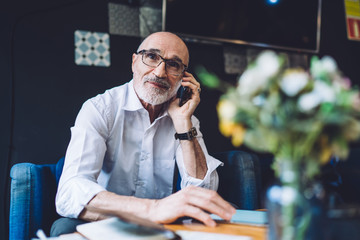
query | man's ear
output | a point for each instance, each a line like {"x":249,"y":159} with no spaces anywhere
{"x":133,"y":61}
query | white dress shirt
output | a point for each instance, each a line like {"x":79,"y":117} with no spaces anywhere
{"x":114,"y":147}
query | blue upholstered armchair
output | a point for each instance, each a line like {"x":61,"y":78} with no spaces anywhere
{"x":32,"y":198}
{"x":33,"y":189}
{"x":240,"y":179}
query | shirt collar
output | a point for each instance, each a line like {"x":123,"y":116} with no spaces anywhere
{"x":132,"y":102}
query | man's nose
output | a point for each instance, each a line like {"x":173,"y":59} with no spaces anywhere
{"x":160,"y":70}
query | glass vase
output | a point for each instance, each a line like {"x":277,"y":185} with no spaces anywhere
{"x":293,"y":210}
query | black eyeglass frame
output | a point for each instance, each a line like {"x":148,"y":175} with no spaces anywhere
{"x":163,"y":60}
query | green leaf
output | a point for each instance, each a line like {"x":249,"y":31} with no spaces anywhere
{"x":207,"y":79}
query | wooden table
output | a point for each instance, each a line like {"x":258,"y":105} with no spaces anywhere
{"x":256,"y":232}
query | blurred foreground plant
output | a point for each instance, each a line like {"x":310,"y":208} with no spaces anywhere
{"x":302,"y":117}
{"x":293,"y":113}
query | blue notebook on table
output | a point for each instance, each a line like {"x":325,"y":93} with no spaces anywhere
{"x":247,"y":217}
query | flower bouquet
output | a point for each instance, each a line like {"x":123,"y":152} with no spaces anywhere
{"x":302,"y":117}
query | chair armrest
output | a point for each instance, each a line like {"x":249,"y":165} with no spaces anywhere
{"x":32,"y":201}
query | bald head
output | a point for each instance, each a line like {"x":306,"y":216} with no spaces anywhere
{"x":169,"y":42}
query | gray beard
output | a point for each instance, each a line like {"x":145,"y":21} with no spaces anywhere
{"x":156,"y":96}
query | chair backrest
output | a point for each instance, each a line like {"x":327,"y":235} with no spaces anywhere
{"x":32,"y":203}
{"x":240,"y":179}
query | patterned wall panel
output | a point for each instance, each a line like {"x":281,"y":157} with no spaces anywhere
{"x":150,"y":20}
{"x":234,"y":59}
{"x":123,"y":20}
{"x":92,"y":48}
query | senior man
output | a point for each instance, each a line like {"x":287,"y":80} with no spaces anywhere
{"x":122,"y":152}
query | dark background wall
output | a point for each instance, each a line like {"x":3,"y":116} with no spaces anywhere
{"x":42,"y":89}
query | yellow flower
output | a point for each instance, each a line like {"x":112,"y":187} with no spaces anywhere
{"x":238,"y":135}
{"x":226,"y":127}
{"x":234,"y":130}
{"x":325,"y":155}
{"x":326,"y":150}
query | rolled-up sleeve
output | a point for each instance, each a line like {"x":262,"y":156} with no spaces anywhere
{"x":211,"y":179}
{"x":83,"y":162}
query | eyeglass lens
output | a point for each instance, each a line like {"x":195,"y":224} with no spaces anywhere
{"x":173,"y":67}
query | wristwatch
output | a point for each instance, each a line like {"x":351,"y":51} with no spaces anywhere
{"x":188,"y":135}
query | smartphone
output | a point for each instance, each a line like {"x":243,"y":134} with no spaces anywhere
{"x":184,"y":93}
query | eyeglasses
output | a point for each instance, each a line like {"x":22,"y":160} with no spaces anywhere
{"x":153,"y":59}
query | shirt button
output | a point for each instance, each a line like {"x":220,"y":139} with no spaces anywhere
{"x":144,"y":156}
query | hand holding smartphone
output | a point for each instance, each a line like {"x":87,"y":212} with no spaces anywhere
{"x":184,"y":93}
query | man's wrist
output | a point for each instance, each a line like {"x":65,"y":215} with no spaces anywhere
{"x":189,"y":135}
{"x":151,"y":205}
{"x":182,"y":125}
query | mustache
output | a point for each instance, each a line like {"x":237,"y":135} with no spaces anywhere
{"x":157,"y":80}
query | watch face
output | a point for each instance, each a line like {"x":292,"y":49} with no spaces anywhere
{"x":193,"y":132}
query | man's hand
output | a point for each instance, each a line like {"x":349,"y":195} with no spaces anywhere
{"x":181,"y":115}
{"x":193,"y":202}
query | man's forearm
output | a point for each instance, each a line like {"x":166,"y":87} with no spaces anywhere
{"x":194,"y":158}
{"x":192,"y":201}
{"x":116,"y":203}
{"x":193,"y":155}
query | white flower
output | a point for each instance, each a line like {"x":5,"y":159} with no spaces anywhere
{"x":322,"y":92}
{"x":251,"y":81}
{"x":326,"y":65}
{"x":268,"y":63}
{"x":325,"y":91}
{"x":329,"y":64}
{"x":293,"y":82}
{"x":256,"y":78}
{"x":309,"y":101}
